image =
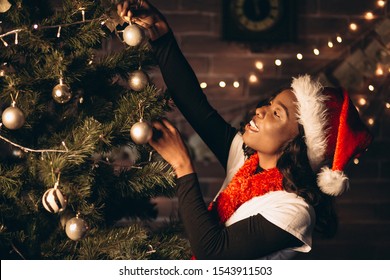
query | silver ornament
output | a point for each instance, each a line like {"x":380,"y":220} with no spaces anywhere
{"x":65,"y":216}
{"x":141,"y":132}
{"x":76,"y":228}
{"x":138,"y":80}
{"x":17,"y":153}
{"x":4,"y":6}
{"x":61,"y":93}
{"x":133,"y":35}
{"x":54,"y":201}
{"x":13,"y":118}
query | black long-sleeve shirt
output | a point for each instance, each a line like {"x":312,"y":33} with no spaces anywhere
{"x":250,"y":238}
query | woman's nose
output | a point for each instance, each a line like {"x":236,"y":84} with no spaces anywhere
{"x":260,"y":112}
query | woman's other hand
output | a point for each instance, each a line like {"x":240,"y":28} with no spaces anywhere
{"x":144,"y":14}
{"x":168,"y":142}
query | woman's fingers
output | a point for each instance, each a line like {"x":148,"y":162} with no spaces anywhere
{"x":144,"y":14}
{"x":169,"y":126}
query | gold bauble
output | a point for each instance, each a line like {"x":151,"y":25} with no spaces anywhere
{"x":4,"y":6}
{"x":138,"y":80}
{"x":61,"y":93}
{"x":133,"y":35}
{"x":76,"y":228}
{"x":141,"y":132}
{"x":13,"y":118}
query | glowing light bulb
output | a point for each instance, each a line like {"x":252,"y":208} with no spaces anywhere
{"x":35,"y":26}
{"x":369,"y":16}
{"x":203,"y":85}
{"x":371,"y":121}
{"x":362,"y":101}
{"x":381,"y":3}
{"x":353,"y":26}
{"x":222,"y":84}
{"x":253,"y":79}
{"x":339,"y":39}
{"x":236,"y":84}
{"x":259,"y":65}
{"x":330,"y":44}
{"x":387,"y":105}
{"x":356,"y":161}
{"x":278,"y":62}
{"x":299,"y":56}
{"x":371,"y":88}
{"x":316,"y":51}
{"x":379,"y":71}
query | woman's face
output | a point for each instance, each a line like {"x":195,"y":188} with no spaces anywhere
{"x":272,"y":126}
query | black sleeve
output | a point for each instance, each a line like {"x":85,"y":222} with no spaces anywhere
{"x":188,"y":96}
{"x":251,"y":238}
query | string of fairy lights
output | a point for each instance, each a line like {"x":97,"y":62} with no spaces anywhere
{"x":381,"y":70}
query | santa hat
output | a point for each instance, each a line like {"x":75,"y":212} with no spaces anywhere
{"x":334,"y":132}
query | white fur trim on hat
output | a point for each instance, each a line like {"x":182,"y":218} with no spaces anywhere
{"x":312,"y":115}
{"x":332,"y":182}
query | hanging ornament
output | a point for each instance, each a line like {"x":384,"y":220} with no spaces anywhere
{"x":61,"y":93}
{"x":53,"y":200}
{"x":65,"y":216}
{"x":17,"y":153}
{"x":76,"y":228}
{"x":4,"y":6}
{"x":141,"y":132}
{"x":138,"y":80}
{"x":133,"y":35}
{"x":13,"y":118}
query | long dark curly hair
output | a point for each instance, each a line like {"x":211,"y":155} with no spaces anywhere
{"x":299,"y":178}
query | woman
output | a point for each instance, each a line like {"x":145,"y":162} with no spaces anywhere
{"x":270,"y":201}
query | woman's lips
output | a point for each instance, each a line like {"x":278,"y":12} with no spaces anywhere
{"x":252,"y":126}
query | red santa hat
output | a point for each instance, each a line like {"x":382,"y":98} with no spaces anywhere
{"x":334,"y":132}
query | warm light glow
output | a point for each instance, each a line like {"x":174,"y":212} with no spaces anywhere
{"x":330,"y":44}
{"x":278,"y":62}
{"x":203,"y":85}
{"x":4,"y":42}
{"x":299,"y":56}
{"x":236,"y":84}
{"x":362,"y":101}
{"x":353,"y":26}
{"x":381,"y":3}
{"x":369,"y":16}
{"x":371,"y":88}
{"x":222,"y":84}
{"x":387,"y":105}
{"x":253,"y":79}
{"x":339,"y":39}
{"x":379,"y":71}
{"x":316,"y":51}
{"x":2,"y":73}
{"x":35,"y":26}
{"x":356,"y":161}
{"x":371,"y":121}
{"x":259,"y":65}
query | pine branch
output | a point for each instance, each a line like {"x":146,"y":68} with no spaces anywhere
{"x":151,"y":180}
{"x":10,"y":180}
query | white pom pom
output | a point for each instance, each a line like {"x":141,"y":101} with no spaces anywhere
{"x":332,"y":182}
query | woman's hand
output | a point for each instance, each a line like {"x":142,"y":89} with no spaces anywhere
{"x":168,"y":142}
{"x":144,"y":14}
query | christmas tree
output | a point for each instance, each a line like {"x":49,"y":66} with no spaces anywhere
{"x":74,"y":132}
